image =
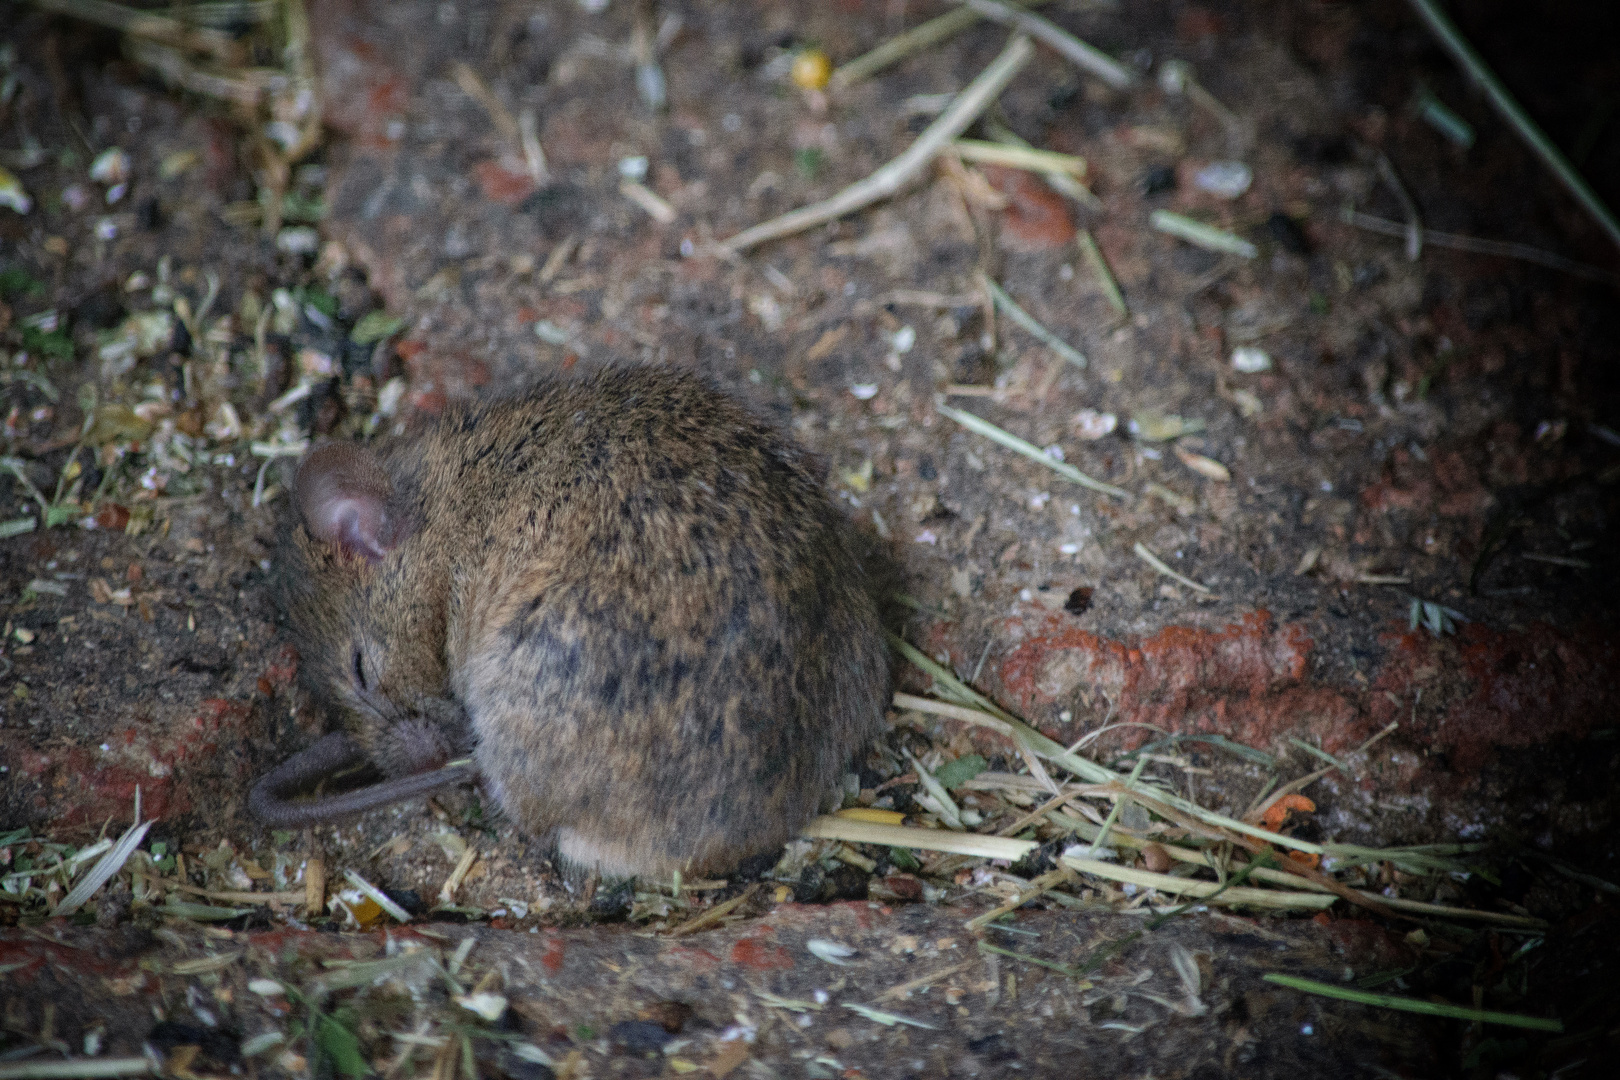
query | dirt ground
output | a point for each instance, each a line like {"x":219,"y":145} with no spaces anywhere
{"x":1328,"y":443}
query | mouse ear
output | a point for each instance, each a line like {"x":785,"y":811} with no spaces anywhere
{"x":346,"y":499}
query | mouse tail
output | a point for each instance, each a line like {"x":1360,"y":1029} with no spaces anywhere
{"x":268,"y":801}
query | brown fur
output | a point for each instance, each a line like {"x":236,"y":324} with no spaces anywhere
{"x":636,"y":600}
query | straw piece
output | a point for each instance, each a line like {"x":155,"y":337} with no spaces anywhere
{"x":1024,"y":319}
{"x":1019,"y":157}
{"x":905,"y":836}
{"x":1207,"y":237}
{"x":1272,"y":898}
{"x":1159,"y":564}
{"x":715,"y":914}
{"x":1099,"y":266}
{"x":1087,"y":58}
{"x":912,"y":41}
{"x":1060,"y":182}
{"x":972,"y":101}
{"x":1476,"y":245}
{"x":76,"y":1068}
{"x":1012,"y":442}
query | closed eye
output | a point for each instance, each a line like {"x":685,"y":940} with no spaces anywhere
{"x":360,"y":670}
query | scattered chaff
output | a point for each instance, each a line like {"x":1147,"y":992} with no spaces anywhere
{"x":1010,"y":308}
{"x":109,"y":864}
{"x":1087,"y":58}
{"x":1198,"y":234}
{"x":973,"y":707}
{"x":1159,"y":564}
{"x":716,"y":913}
{"x":915,"y":40}
{"x":889,"y":179}
{"x":1476,"y":245}
{"x":1510,"y":110}
{"x":1027,"y":158}
{"x":895,"y":993}
{"x":906,"y":836}
{"x":1099,"y":267}
{"x":1038,"y":887}
{"x":1414,"y":1005}
{"x":1437,"y":619}
{"x":1012,"y":442}
{"x":937,"y":798}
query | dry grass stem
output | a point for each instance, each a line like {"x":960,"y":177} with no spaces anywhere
{"x":1476,"y":245}
{"x":142,"y":24}
{"x":1060,"y":182}
{"x":447,"y":891}
{"x":1198,"y":234}
{"x":1235,"y":895}
{"x":1018,"y":157}
{"x":1511,"y":111}
{"x":1087,"y":58}
{"x":895,"y":993}
{"x":1159,"y":564}
{"x":981,"y":426}
{"x":900,"y":46}
{"x":643,"y":196}
{"x":1099,"y":267}
{"x":971,"y":102}
{"x":1010,"y":308}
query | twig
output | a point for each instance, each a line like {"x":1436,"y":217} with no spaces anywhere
{"x":1514,"y":114}
{"x":967,"y":107}
{"x":1083,"y":56}
{"x":1476,"y":245}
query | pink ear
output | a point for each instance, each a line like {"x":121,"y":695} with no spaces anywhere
{"x":346,"y":499}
